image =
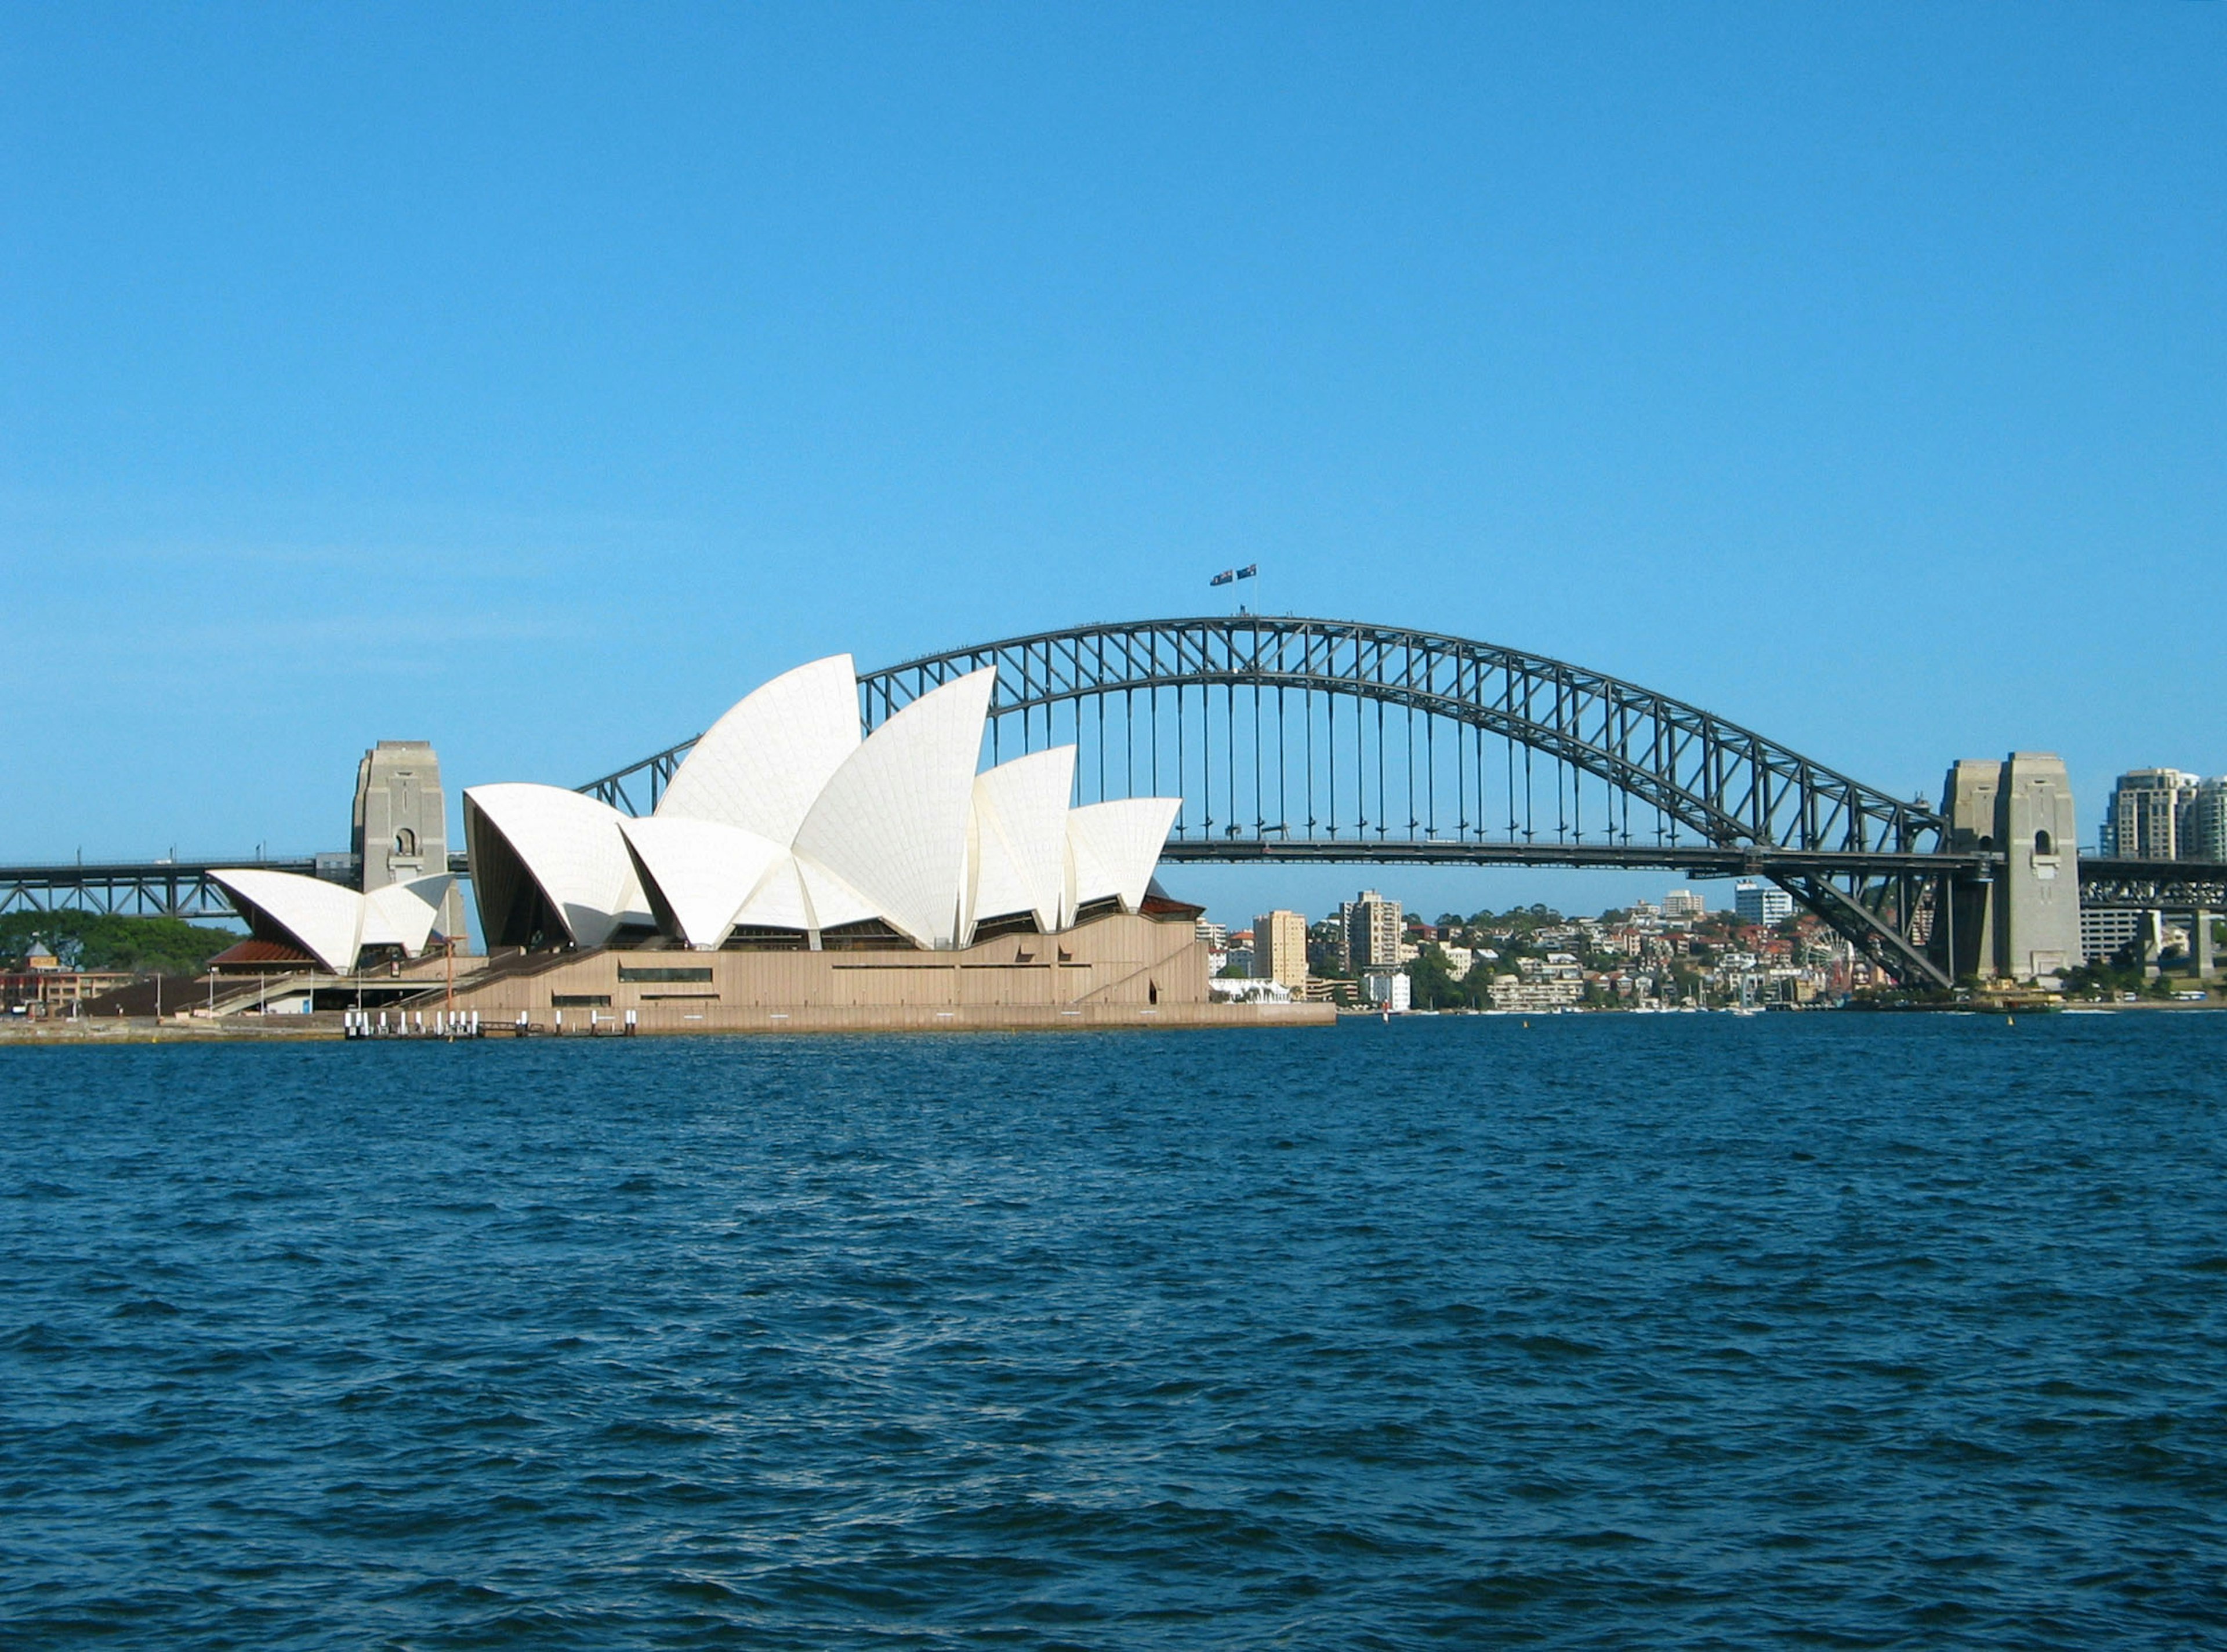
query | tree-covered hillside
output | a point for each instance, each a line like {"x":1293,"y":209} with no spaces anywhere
{"x":93,"y":940}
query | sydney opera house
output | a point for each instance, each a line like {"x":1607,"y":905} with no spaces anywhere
{"x":796,"y":872}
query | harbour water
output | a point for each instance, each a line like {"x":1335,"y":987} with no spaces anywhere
{"x":1654,"y":1332}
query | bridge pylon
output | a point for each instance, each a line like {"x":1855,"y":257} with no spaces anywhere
{"x":2022,"y":922}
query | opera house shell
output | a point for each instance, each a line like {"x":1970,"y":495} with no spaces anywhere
{"x":785,"y":827}
{"x":301,"y":920}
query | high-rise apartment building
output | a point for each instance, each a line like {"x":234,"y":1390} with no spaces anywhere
{"x":2207,"y":829}
{"x":2151,"y":815}
{"x":1685,"y":903}
{"x":1279,"y":948}
{"x":1371,"y":925}
{"x":1754,"y":902}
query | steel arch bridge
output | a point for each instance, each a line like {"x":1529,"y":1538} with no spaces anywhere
{"x":1326,"y":740}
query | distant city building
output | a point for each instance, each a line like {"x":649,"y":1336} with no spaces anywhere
{"x":1327,"y":953}
{"x":1555,"y":966}
{"x":1535,"y":994}
{"x":2208,"y":821}
{"x":1372,"y":927}
{"x":1685,"y":903}
{"x":1279,"y":948}
{"x":2151,"y":815}
{"x":1388,"y":989}
{"x":2107,"y":931}
{"x":1761,"y":902}
{"x":1216,"y":936}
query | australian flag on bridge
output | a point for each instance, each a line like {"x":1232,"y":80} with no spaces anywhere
{"x":1229,"y":575}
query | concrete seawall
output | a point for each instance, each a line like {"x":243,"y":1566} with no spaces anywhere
{"x":650,"y":1023}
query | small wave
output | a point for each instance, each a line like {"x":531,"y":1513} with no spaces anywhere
{"x":35,"y":1188}
{"x":1551,"y":1347}
{"x":145,"y":1308}
{"x":35,"y":1338}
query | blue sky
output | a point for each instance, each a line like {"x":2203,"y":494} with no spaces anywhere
{"x":538,"y":380}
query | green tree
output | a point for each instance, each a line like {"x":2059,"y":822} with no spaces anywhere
{"x":97,"y":941}
{"x":1431,"y":983}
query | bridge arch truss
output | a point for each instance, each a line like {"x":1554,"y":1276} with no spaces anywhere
{"x":1324,"y":740}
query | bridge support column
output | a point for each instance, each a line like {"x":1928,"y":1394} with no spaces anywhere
{"x":2207,"y":966}
{"x":2027,"y":923}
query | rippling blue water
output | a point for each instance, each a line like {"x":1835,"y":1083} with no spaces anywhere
{"x":1664,"y":1332}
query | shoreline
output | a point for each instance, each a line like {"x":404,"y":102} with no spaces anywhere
{"x":327,"y":1028}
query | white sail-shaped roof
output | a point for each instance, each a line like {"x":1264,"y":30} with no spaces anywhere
{"x":1112,"y":847}
{"x":796,"y":892}
{"x":892,"y":821}
{"x":778,"y":902}
{"x":697,"y":873}
{"x":1084,"y":873}
{"x":570,"y":845}
{"x":325,"y":920}
{"x":834,"y":903}
{"x":1019,"y":837}
{"x":760,"y":767}
{"x":403,"y":914}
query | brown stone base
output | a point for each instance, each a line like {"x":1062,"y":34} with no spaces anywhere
{"x":1121,"y":970}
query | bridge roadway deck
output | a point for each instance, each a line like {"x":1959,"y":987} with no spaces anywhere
{"x":1694,"y":860}
{"x":182,"y":888}
{"x":151,"y":888}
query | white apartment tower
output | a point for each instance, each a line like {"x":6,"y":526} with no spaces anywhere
{"x":1755,"y":903}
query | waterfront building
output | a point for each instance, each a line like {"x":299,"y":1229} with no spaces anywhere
{"x":46,"y":987}
{"x":1387,"y":989}
{"x":2150,"y":815}
{"x":1279,"y":948}
{"x":1755,"y":903}
{"x":1372,"y":928}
